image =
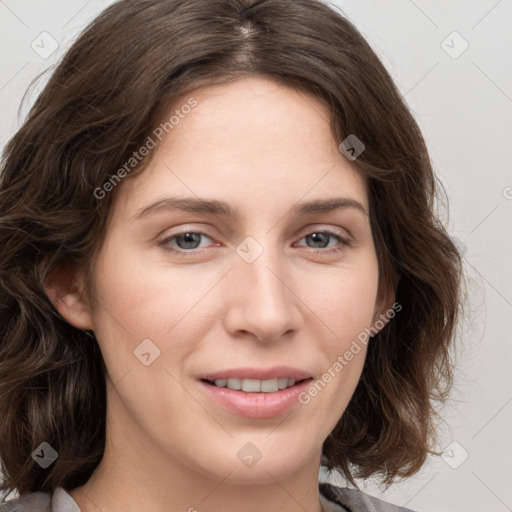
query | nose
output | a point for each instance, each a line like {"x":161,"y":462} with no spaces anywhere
{"x":262,"y":302}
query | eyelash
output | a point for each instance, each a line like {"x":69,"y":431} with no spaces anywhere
{"x":165,"y":244}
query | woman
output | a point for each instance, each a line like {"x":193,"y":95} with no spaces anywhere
{"x":173,"y":334}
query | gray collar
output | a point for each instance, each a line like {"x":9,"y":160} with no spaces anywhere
{"x":332,"y":499}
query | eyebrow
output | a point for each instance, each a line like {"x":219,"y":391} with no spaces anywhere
{"x":214,"y":207}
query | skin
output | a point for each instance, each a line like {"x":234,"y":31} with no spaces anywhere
{"x":261,"y":147}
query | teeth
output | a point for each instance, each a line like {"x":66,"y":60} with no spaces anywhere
{"x":282,"y":383}
{"x":233,"y":383}
{"x":255,"y":385}
{"x":270,"y":386}
{"x":251,"y":385}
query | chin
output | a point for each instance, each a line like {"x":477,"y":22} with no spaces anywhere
{"x":259,"y":461}
{"x":262,"y":473}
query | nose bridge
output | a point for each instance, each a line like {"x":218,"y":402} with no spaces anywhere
{"x":261,"y":273}
{"x":262,"y":301}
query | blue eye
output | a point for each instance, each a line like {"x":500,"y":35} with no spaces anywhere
{"x":321,"y":237}
{"x":185,"y":241}
{"x":188,"y":242}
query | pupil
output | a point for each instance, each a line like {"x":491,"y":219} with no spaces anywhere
{"x":317,"y":237}
{"x":189,"y":239}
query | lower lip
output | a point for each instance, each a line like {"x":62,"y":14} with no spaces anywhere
{"x":256,"y":405}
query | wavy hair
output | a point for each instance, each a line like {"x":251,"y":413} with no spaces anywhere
{"x":99,"y":106}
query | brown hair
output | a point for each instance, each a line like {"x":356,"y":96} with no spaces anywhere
{"x":98,"y":107}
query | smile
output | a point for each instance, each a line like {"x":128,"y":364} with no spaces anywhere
{"x":255,"y":392}
{"x":255,"y":385}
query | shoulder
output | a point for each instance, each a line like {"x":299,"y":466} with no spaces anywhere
{"x":352,"y":500}
{"x":58,"y":501}
{"x":30,"y":502}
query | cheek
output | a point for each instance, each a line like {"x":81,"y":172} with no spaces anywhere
{"x":346,"y":307}
{"x":345,"y":300}
{"x":140,"y":300}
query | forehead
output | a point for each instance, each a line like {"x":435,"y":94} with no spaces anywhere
{"x":253,"y":142}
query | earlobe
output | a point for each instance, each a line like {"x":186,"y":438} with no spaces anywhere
{"x":64,"y":288}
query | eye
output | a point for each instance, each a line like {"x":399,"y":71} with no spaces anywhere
{"x":187,"y":242}
{"x":184,"y":241}
{"x":320,"y":240}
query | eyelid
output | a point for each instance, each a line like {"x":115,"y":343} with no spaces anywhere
{"x":312,"y":228}
{"x":344,"y":240}
{"x":322,"y":228}
{"x":168,"y":238}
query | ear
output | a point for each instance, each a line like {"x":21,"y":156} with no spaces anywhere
{"x":64,"y":287}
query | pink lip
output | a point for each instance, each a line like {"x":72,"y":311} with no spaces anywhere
{"x":256,"y":405}
{"x":257,"y":373}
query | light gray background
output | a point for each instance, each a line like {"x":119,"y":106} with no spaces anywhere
{"x":464,"y":107}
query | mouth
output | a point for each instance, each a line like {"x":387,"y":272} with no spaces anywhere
{"x":255,"y":393}
{"x":255,"y":385}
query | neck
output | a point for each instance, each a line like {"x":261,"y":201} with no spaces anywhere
{"x":112,"y":488}
{"x":136,"y":474}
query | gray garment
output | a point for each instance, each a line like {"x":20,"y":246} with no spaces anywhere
{"x":332,"y":499}
{"x":60,"y":501}
{"x":338,"y":499}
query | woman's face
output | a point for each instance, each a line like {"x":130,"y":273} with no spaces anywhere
{"x":276,"y":288}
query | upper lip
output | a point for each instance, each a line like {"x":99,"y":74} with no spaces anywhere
{"x":257,"y":373}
